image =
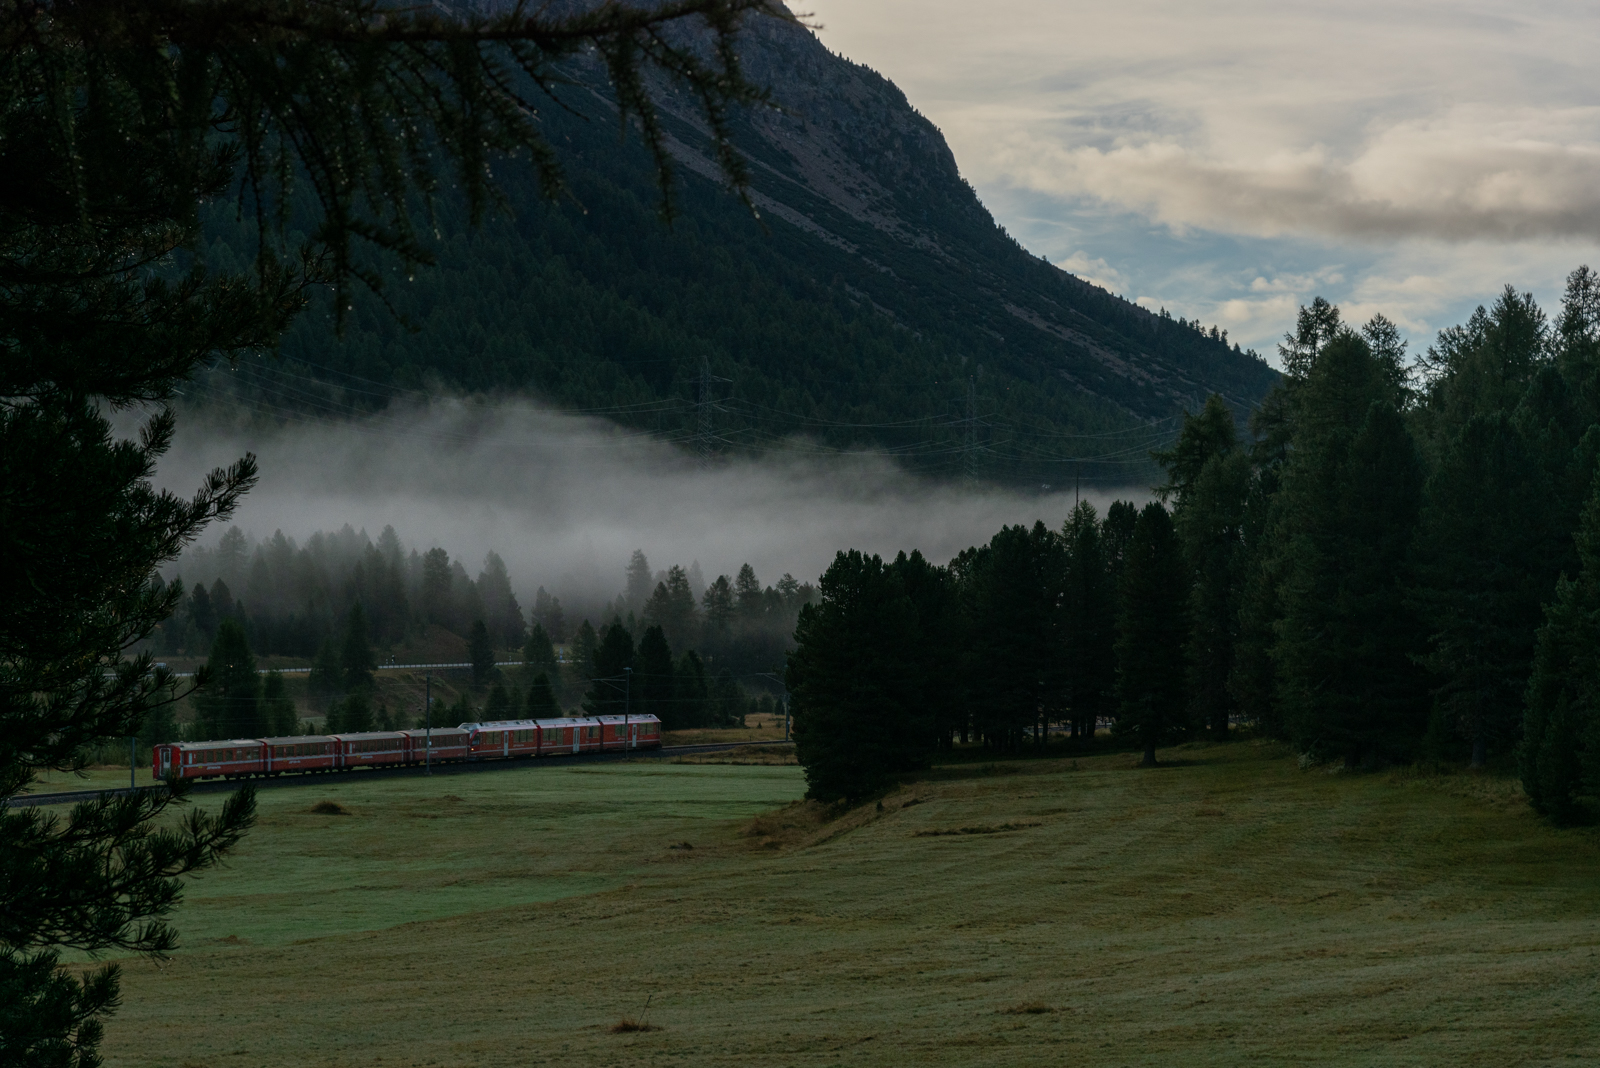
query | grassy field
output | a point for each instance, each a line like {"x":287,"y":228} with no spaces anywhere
{"x":1225,"y":909}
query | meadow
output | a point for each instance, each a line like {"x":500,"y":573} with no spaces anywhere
{"x":1227,"y":908}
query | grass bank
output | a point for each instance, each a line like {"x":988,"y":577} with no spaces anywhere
{"x":1227,"y":908}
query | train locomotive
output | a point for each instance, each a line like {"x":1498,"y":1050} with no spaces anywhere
{"x":508,"y":739}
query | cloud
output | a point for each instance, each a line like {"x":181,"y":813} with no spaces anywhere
{"x":1403,"y":156}
{"x":565,"y":500}
{"x":1472,"y":174}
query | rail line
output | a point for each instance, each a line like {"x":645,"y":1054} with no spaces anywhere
{"x":345,"y":774}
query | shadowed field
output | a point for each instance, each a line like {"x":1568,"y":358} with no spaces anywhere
{"x":1225,"y":909}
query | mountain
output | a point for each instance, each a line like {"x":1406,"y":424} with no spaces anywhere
{"x":873,"y":304}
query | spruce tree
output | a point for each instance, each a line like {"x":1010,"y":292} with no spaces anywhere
{"x":942,"y":625}
{"x":1347,"y":641}
{"x":692,"y":693}
{"x":726,"y":701}
{"x":1559,"y":754}
{"x":230,"y":706}
{"x":1014,"y":596}
{"x":652,"y":688}
{"x":609,"y":686}
{"x":1483,"y":574}
{"x":1089,"y":624}
{"x":327,"y":672}
{"x":279,"y":717}
{"x":584,"y":646}
{"x":498,"y":704}
{"x":542,"y":702}
{"x":356,"y":659}
{"x":856,"y":682}
{"x":1210,"y":524}
{"x":355,"y":717}
{"x":1152,"y":625}
{"x":480,"y":651}
{"x":537,"y":652}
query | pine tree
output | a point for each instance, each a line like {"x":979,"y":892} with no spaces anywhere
{"x":1116,"y":531}
{"x":230,"y":707}
{"x":1014,"y":596}
{"x":355,"y":716}
{"x":1210,"y":525}
{"x":1483,"y":574}
{"x":356,"y":659}
{"x":1152,"y":624}
{"x":542,"y":702}
{"x":1559,"y":754}
{"x":584,"y":646}
{"x":498,"y":706}
{"x":726,"y":701}
{"x":692,"y":693}
{"x":1347,"y":680}
{"x":537,"y":652}
{"x":747,"y":603}
{"x":327,"y":672}
{"x":502,"y":614}
{"x":279,"y":716}
{"x":609,"y":686}
{"x":652,"y":690}
{"x":940,"y":621}
{"x":855,"y":682}
{"x":639,"y":581}
{"x":1089,"y":624}
{"x":480,"y":651}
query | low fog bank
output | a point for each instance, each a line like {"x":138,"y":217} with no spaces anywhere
{"x":566,"y":500}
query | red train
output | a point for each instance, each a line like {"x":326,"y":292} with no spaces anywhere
{"x":500,"y":740}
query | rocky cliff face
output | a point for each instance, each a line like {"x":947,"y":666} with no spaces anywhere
{"x":849,"y":161}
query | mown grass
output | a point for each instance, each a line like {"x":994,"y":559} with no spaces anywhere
{"x":1228,"y":908}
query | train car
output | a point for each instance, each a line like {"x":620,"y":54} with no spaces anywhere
{"x":371,"y":749}
{"x":504,"y":738}
{"x":568,"y":735}
{"x":449,"y":744}
{"x":307,"y":752}
{"x":630,"y":732}
{"x":231,"y":759}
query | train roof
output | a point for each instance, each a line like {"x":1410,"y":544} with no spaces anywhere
{"x":365,"y":736}
{"x":224,"y":743}
{"x":418,"y":732}
{"x":629,"y":719}
{"x":293,"y":739}
{"x":525,"y":724}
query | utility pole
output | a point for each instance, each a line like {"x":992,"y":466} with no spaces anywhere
{"x":427,"y":701}
{"x":133,"y":762}
{"x":627,"y":701}
{"x":969,"y":455}
{"x":702,"y":443}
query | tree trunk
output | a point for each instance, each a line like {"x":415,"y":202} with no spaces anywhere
{"x":1478,"y":750}
{"x":1149,"y":756}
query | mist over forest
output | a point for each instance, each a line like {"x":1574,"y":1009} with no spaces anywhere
{"x":564,"y":501}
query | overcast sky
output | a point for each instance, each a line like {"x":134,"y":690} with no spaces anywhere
{"x":1232,"y":159}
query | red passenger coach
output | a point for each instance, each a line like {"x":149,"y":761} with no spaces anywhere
{"x":630,"y":732}
{"x":449,"y":744}
{"x":503,"y":738}
{"x":208,"y":760}
{"x":570,"y":735}
{"x":311,"y":752}
{"x":371,"y":749}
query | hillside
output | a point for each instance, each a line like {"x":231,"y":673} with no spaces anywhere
{"x":875,"y":302}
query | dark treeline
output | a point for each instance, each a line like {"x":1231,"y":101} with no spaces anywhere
{"x":341,"y":599}
{"x":1398,"y":562}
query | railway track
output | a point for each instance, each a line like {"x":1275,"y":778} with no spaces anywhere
{"x":471,"y":767}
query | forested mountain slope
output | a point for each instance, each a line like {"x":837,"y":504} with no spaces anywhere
{"x":875,"y":303}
